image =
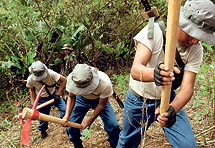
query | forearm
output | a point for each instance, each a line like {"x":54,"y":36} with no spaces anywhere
{"x":70,"y":105}
{"x":62,"y":85}
{"x":60,"y":88}
{"x":182,"y":98}
{"x":186,"y":91}
{"x":96,"y":113}
{"x":139,"y":71}
{"x":32,"y":95}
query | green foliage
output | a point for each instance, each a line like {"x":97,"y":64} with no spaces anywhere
{"x":3,"y":107}
{"x":6,"y":124}
{"x":32,"y":30}
{"x":86,"y":132}
{"x":206,"y":78}
{"x":205,"y":139}
{"x":121,"y":83}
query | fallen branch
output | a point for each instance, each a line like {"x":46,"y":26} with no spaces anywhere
{"x":210,"y":129}
{"x":207,"y":143}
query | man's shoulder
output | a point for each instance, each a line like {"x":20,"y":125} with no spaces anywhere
{"x":103,"y":75}
{"x":104,"y":78}
{"x":30,"y":81}
{"x":52,"y":73}
{"x":30,"y":78}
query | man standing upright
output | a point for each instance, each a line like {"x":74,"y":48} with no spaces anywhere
{"x":70,"y":59}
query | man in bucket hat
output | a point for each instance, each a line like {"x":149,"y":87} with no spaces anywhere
{"x":89,"y":88}
{"x":70,"y":59}
{"x":148,"y":74}
{"x":41,"y":75}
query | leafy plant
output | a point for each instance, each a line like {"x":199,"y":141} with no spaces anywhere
{"x":121,"y":82}
{"x":6,"y":124}
{"x":206,"y":78}
{"x":86,"y":132}
{"x":205,"y":139}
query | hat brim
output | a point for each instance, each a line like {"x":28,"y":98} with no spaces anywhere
{"x":66,"y":48}
{"x":71,"y":87}
{"x":195,"y":31}
{"x":40,"y":78}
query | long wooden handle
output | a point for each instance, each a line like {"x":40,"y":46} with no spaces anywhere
{"x":27,"y":114}
{"x":44,"y":104}
{"x":171,"y":39}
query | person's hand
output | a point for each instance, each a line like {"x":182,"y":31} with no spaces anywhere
{"x":168,"y":118}
{"x":66,"y":121}
{"x":86,"y":124}
{"x":56,"y":98}
{"x":176,"y":70}
{"x":162,"y":76}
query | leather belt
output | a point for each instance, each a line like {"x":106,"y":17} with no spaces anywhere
{"x":133,"y":92}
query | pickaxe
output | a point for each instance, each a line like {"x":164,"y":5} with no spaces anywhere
{"x":33,"y":114}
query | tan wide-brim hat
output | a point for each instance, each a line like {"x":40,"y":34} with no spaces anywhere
{"x":83,"y":80}
{"x":38,"y":70}
{"x":197,"y":19}
{"x":67,"y":47}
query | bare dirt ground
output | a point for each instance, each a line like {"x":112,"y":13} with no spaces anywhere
{"x":57,"y":137}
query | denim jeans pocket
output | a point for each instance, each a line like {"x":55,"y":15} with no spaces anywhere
{"x":132,"y":99}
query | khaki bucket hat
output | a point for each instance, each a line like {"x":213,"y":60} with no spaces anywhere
{"x":39,"y":71}
{"x":197,"y":19}
{"x":67,"y":47}
{"x":83,"y":80}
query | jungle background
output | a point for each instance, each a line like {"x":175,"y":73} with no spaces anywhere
{"x":33,"y":30}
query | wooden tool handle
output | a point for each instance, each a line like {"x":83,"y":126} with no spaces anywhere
{"x":171,"y":39}
{"x":44,"y":104}
{"x":27,"y":114}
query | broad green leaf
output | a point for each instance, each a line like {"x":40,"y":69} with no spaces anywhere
{"x":8,"y":64}
{"x":62,"y":21}
{"x":212,"y":65}
{"x":82,"y":27}
{"x":82,"y":138}
{"x":28,"y":34}
{"x":31,"y":55}
{"x":17,"y":62}
{"x":86,"y":132}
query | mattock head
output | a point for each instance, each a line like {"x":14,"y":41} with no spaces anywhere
{"x":27,"y":125}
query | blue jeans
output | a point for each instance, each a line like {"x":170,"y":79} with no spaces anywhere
{"x":180,"y":135}
{"x":61,"y":105}
{"x":82,"y":105}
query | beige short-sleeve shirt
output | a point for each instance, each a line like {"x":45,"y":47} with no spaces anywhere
{"x":52,"y":78}
{"x":104,"y":88}
{"x":191,"y":56}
